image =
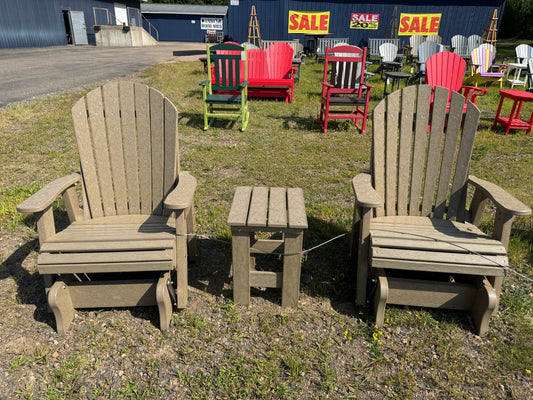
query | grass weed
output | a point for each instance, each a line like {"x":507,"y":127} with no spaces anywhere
{"x":324,"y":348}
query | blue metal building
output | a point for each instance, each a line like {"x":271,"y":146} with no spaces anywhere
{"x":38,"y":23}
{"x":464,"y":17}
{"x":185,"y":22}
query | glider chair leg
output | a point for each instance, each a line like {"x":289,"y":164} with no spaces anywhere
{"x":164,"y":303}
{"x":60,"y":302}
{"x":381,"y":295}
{"x":484,"y":305}
{"x":191,"y":228}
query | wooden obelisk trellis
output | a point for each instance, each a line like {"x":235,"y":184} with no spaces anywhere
{"x":253,"y":29}
{"x":392,"y":30}
{"x":491,"y":31}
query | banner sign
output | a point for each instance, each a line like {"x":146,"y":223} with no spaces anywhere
{"x":364,"y":21}
{"x":308,"y":22}
{"x":211,"y":23}
{"x":419,"y":24}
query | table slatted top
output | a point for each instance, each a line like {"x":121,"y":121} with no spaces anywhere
{"x":263,"y":207}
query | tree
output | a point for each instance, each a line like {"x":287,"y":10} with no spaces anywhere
{"x":517,"y":20}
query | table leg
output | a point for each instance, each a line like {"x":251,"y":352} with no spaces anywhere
{"x":290,"y":289}
{"x":241,"y":267}
{"x":511,"y":117}
{"x":497,"y":113}
{"x":530,"y":123}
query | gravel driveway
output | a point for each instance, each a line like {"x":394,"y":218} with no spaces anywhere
{"x":34,"y":72}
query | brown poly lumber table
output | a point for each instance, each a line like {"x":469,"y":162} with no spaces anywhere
{"x":394,"y":77}
{"x":263,"y":209}
{"x":514,"y":122}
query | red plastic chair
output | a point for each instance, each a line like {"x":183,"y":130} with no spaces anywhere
{"x":447,"y":70}
{"x":344,"y":93}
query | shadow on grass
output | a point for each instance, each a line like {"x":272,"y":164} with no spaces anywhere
{"x":30,"y":287}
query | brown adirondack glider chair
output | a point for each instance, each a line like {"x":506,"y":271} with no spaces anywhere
{"x":127,"y":246}
{"x":411,"y":239}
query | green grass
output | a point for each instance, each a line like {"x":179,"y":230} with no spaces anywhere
{"x":326,"y":347}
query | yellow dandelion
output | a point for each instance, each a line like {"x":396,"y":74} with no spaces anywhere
{"x":387,"y":321}
{"x":381,"y":333}
{"x":350,"y":338}
{"x":528,"y":371}
{"x":345,"y":333}
{"x":375,"y":336}
{"x":494,"y":339}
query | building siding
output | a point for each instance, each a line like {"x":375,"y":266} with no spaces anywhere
{"x":39,"y":23}
{"x":181,"y":28}
{"x":464,"y":17}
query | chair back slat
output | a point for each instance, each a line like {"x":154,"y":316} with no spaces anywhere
{"x":131,"y":162}
{"x":422,"y":174}
{"x":116,"y":154}
{"x":127,"y":140}
{"x":142,"y":112}
{"x":419,"y":148}
{"x":404,"y":154}
{"x":391,"y":152}
{"x":438,"y":120}
{"x":101,"y":150}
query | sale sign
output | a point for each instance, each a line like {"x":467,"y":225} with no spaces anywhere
{"x":419,"y":24}
{"x":308,"y":22}
{"x":364,"y":21}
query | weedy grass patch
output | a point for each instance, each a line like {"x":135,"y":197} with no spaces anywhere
{"x":215,"y":349}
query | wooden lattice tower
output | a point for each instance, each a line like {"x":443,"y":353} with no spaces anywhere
{"x":392,"y":30}
{"x":253,"y":29}
{"x":491,"y":31}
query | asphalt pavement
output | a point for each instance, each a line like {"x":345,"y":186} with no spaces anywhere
{"x":30,"y":73}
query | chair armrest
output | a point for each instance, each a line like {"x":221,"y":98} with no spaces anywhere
{"x":499,"y":197}
{"x":328,"y":85}
{"x":243,"y":84}
{"x":44,"y":198}
{"x":365,"y":195}
{"x":472,"y":92}
{"x":182,"y":195}
{"x":204,"y":83}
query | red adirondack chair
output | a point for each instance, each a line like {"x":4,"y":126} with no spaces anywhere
{"x":447,"y":70}
{"x":344,"y":93}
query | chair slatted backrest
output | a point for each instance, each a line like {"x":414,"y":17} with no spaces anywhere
{"x":229,"y":66}
{"x":417,"y":173}
{"x":388,"y":52}
{"x":345,"y":66}
{"x":325,"y":42}
{"x":279,"y":60}
{"x":414,"y":41}
{"x":473,"y":42}
{"x":460,"y":45}
{"x":434,"y":38}
{"x":426,"y":50}
{"x":482,"y":57}
{"x":127,"y":136}
{"x":489,"y":46}
{"x":523,"y":53}
{"x":445,"y":69}
{"x":373,"y":44}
